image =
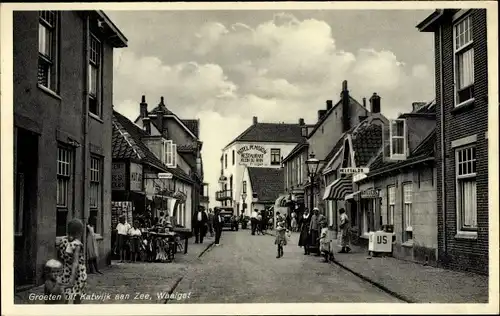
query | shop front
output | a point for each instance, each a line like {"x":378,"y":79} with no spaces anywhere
{"x":334,"y":197}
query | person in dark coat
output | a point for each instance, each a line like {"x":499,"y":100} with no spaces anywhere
{"x":305,"y":238}
{"x":218,"y":224}
{"x":200,"y":219}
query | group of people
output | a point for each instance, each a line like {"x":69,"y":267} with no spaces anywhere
{"x":204,"y":223}
{"x":259,"y":222}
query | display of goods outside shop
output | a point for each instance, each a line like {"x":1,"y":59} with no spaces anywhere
{"x":118,"y":208}
{"x":181,"y":196}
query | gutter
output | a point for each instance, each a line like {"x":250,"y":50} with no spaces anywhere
{"x":425,"y":25}
{"x":442,"y":158}
{"x":85,"y":148}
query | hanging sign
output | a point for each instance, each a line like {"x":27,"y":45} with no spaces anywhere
{"x":370,"y":194}
{"x":118,"y":176}
{"x":354,"y":170}
{"x":135,"y":177}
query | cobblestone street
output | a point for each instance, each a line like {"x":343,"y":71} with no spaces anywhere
{"x":244,"y":269}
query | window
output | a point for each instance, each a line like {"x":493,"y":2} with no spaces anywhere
{"x":233,"y":158}
{"x":63,"y":190}
{"x":95,"y":76}
{"x":48,"y":50}
{"x":407,"y":203}
{"x":225,"y":161}
{"x":466,"y":188}
{"x":244,"y":187}
{"x":275,"y":156}
{"x":391,"y":204}
{"x":464,"y":60}
{"x":95,"y":190}
{"x":398,"y":139}
{"x":169,"y":151}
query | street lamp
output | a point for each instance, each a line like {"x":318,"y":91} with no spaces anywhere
{"x":312,"y":167}
{"x":244,"y":198}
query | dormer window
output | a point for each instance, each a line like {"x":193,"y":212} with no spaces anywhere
{"x":169,"y":153}
{"x":398,"y":143}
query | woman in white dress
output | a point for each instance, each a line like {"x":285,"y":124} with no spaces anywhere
{"x":92,"y":249}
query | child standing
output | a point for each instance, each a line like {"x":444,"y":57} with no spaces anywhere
{"x":135,"y":239}
{"x":54,"y":290}
{"x":325,"y":243}
{"x":122,"y":235}
{"x":281,"y":234}
{"x":71,"y":253}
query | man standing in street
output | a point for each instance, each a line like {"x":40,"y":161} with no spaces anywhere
{"x":199,"y":221}
{"x":217,"y":223}
{"x":210,"y":222}
{"x":253,"y":221}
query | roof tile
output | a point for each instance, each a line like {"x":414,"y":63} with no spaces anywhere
{"x":267,"y":183}
{"x":272,"y":132}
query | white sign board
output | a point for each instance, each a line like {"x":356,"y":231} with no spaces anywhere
{"x":358,"y":177}
{"x":380,"y":242}
{"x":253,"y":155}
{"x":165,"y":176}
{"x":354,"y":170}
{"x":135,"y":177}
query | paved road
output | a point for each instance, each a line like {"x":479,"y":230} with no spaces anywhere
{"x":244,"y":269}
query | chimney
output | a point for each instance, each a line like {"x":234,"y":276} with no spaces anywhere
{"x":321,"y":113}
{"x":375,"y":103}
{"x":346,"y":120}
{"x":364,"y":103}
{"x":143,"y":107}
{"x":329,"y":105}
{"x":301,"y":122}
{"x":159,"y":117}
{"x":417,"y":106}
{"x":255,"y":120}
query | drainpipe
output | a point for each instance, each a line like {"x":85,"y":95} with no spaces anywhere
{"x":443,"y":152}
{"x":85,"y":147}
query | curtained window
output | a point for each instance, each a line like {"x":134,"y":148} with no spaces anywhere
{"x":391,"y":204}
{"x":464,"y":60}
{"x":466,"y":188}
{"x":407,"y":216}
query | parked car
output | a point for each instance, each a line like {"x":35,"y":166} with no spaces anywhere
{"x":227,"y":214}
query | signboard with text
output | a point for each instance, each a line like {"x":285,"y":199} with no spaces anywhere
{"x":118,"y":172}
{"x":253,"y":155}
{"x":354,"y":170}
{"x":135,"y":177}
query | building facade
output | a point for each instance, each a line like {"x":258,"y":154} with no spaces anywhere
{"x":460,"y":38}
{"x":262,"y":145}
{"x":262,"y":186}
{"x":62,"y":131}
{"x":177,"y":140}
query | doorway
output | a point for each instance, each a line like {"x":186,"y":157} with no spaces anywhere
{"x":25,"y":206}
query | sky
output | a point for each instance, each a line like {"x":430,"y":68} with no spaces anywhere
{"x":224,"y":67}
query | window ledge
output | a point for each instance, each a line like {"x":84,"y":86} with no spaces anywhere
{"x":408,"y":244}
{"x":466,"y":235}
{"x":464,"y":106}
{"x":49,"y":92}
{"x":95,"y":117}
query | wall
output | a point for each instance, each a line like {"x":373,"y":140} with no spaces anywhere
{"x":249,"y":192}
{"x":238,"y":168}
{"x":463,"y":254}
{"x":294,"y":178}
{"x":57,"y":116}
{"x":424,"y":213}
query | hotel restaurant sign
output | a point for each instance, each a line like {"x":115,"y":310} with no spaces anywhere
{"x":253,"y":155}
{"x":119,"y":176}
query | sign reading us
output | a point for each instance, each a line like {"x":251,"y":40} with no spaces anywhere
{"x":252,"y":155}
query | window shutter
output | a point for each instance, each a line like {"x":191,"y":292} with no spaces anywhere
{"x":174,"y":155}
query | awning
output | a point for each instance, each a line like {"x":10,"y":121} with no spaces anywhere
{"x":338,"y":189}
{"x":352,"y":195}
{"x":281,"y":200}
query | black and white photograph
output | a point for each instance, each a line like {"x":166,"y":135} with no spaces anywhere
{"x":238,"y":158}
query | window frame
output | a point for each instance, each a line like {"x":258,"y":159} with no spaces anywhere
{"x":460,"y":51}
{"x":390,"y":212}
{"x":167,"y":152}
{"x":52,"y":61}
{"x":225,"y":161}
{"x":98,"y":66}
{"x":460,"y":178}
{"x":68,"y":177}
{"x":407,"y":213}
{"x":273,"y":153}
{"x":233,"y":157}
{"x":96,"y":209}
{"x":404,"y":137}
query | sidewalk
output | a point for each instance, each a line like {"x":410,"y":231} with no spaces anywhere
{"x":128,"y":280}
{"x":414,"y":282}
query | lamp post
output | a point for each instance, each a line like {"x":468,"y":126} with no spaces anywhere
{"x":312,"y":167}
{"x":244,"y":198}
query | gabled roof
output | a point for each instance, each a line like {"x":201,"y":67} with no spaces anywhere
{"x":352,"y":103}
{"x":267,"y":183}
{"x":127,"y":144}
{"x":193,"y":126}
{"x":423,"y":152}
{"x":271,"y":132}
{"x":297,"y":149}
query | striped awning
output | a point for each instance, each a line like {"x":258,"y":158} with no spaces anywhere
{"x":338,"y":189}
{"x":352,"y":195}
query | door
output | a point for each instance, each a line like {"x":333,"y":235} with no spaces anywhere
{"x":25,"y":200}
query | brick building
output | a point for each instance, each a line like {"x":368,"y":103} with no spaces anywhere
{"x":462,"y":136}
{"x":63,"y":76}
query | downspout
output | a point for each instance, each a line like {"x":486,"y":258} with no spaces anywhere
{"x":85,"y":147}
{"x":443,"y":158}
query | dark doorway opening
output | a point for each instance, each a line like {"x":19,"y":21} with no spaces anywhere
{"x":25,"y":206}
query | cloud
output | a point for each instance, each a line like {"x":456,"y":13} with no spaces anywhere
{"x":279,"y":70}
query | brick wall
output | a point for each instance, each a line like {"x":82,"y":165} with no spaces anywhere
{"x":470,"y":255}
